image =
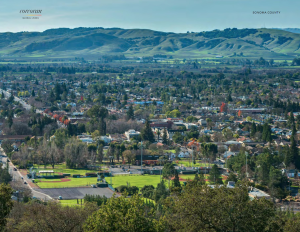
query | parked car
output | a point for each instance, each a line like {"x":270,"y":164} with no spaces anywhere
{"x":60,"y":198}
{"x":15,"y":169}
{"x":25,"y":182}
{"x":93,"y":186}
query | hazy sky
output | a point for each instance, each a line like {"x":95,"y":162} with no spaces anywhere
{"x":161,"y":15}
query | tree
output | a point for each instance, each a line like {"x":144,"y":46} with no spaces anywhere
{"x":161,"y":192}
{"x":129,"y":155}
{"x":10,"y":120}
{"x":130,"y":113}
{"x":220,"y":209}
{"x":165,"y":137}
{"x":266,"y":134}
{"x":176,"y":182}
{"x":177,"y":137}
{"x":168,"y":171}
{"x":5,"y":177}
{"x":214,"y":175}
{"x":33,"y":93}
{"x":7,"y":146}
{"x":231,"y":177}
{"x":227,"y":133}
{"x":223,"y":107}
{"x":148,"y":191}
{"x":253,"y":129}
{"x":146,"y":133}
{"x":124,"y":214}
{"x":291,"y":120}
{"x":239,"y":113}
{"x":6,"y":204}
{"x":52,"y":216}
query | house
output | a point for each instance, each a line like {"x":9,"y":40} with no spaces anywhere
{"x":202,"y":122}
{"x":132,"y":134}
{"x":117,"y":138}
{"x":86,"y":140}
{"x":170,"y":133}
{"x":175,"y":120}
{"x":106,"y":139}
{"x":256,"y":193}
{"x":161,"y":125}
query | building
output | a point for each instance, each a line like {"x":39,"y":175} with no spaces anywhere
{"x":256,"y":193}
{"x":14,"y":138}
{"x":161,"y":125}
{"x":132,"y":134}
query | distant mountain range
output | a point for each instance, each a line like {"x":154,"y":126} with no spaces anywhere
{"x":293,"y":30}
{"x":94,"y":42}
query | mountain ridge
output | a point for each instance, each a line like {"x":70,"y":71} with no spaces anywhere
{"x":94,"y":42}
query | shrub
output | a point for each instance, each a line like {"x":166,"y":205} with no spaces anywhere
{"x":91,"y":174}
{"x":133,"y":190}
{"x":121,"y":188}
{"x":261,"y":187}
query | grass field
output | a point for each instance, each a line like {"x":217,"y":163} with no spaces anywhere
{"x":186,"y":163}
{"x":58,"y":183}
{"x":61,"y":168}
{"x":132,"y":180}
{"x":71,"y":202}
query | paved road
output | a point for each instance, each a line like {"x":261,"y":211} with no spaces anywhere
{"x":17,"y":176}
{"x":27,"y":106}
{"x":23,"y":103}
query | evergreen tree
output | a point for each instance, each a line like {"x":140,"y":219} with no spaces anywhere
{"x":146,"y":133}
{"x":253,"y":129}
{"x":52,"y":96}
{"x":10,"y":120}
{"x":266,"y":134}
{"x":2,"y":95}
{"x":130,"y":113}
{"x":33,"y":93}
{"x":291,"y":120}
{"x":229,"y":98}
{"x":164,"y":137}
{"x":214,"y":175}
{"x":176,"y":182}
{"x":294,"y":153}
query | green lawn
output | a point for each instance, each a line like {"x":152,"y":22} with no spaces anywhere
{"x":172,"y":151}
{"x":134,"y":180}
{"x":186,"y":163}
{"x":75,"y":182}
{"x":61,"y":168}
{"x":71,"y":202}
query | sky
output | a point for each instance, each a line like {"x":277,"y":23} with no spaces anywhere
{"x":161,"y":15}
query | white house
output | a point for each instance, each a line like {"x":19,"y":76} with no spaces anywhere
{"x":131,"y":134}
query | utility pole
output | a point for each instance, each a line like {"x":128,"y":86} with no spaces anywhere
{"x":246,"y":153}
{"x":160,"y":171}
{"x":141,"y":157}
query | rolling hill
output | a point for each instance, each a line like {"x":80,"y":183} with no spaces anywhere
{"x":94,"y":42}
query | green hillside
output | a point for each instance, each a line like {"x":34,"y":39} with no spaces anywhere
{"x":65,"y":42}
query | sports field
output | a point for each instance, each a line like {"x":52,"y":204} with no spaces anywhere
{"x":66,"y":182}
{"x":132,"y":180}
{"x":187,"y":163}
{"x":61,"y":168}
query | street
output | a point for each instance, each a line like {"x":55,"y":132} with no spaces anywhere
{"x":17,"y":176}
